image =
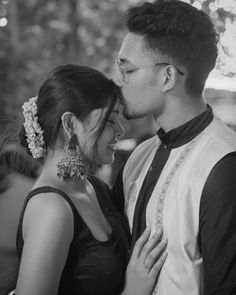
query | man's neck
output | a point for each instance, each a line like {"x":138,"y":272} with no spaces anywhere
{"x":179,"y":112}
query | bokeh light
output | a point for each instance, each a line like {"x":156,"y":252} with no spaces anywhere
{"x":3,"y":22}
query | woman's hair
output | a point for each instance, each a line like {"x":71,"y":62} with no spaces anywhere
{"x":178,"y":30}
{"x":76,"y":89}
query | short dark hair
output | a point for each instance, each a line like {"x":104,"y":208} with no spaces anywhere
{"x":76,"y":89}
{"x":181,"y":32}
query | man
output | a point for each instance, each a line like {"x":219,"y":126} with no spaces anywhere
{"x":184,"y":179}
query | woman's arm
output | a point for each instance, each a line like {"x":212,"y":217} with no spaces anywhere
{"x":145,"y":264}
{"x":47,"y":232}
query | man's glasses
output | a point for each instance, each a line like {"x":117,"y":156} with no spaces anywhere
{"x":124,"y":69}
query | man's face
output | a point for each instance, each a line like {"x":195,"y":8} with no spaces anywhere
{"x":141,"y":80}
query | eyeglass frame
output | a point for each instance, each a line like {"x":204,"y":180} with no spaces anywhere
{"x":120,"y":67}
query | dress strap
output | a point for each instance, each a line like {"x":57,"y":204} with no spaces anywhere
{"x":51,"y":189}
{"x":48,"y":189}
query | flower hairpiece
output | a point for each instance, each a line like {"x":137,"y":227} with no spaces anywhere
{"x":33,"y":131}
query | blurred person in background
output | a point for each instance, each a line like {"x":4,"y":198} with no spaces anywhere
{"x":183,"y":179}
{"x":71,"y":238}
{"x":17,"y":176}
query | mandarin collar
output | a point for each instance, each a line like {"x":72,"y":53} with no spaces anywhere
{"x":186,"y":132}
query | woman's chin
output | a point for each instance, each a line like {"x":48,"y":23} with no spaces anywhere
{"x":109,"y":158}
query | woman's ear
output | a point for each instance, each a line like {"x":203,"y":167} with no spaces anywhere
{"x":68,"y":120}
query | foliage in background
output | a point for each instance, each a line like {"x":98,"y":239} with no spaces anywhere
{"x":36,"y":35}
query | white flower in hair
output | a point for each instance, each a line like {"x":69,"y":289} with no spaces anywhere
{"x":33,"y":131}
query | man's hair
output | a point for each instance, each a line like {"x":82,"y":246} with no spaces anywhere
{"x":180,"y":32}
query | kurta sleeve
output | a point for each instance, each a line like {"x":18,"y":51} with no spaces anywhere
{"x":217,"y":233}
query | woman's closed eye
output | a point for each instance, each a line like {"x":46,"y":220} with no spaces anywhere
{"x":129,"y":71}
{"x":111,"y":121}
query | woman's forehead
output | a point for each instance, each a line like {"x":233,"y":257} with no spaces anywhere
{"x":98,"y":114}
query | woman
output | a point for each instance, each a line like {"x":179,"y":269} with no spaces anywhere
{"x":71,"y":239}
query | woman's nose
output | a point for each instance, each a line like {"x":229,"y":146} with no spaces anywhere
{"x":120,"y":130}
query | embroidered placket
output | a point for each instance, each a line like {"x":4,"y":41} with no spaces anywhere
{"x":160,"y":204}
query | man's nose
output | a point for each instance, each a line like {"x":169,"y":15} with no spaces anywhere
{"x":120,"y":131}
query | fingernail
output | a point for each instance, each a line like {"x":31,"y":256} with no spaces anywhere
{"x":157,"y":233}
{"x":164,"y":241}
{"x":164,"y":255}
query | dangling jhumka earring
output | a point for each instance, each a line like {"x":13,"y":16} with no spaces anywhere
{"x":74,"y":166}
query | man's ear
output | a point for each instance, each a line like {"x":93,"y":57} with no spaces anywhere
{"x":170,"y":79}
{"x":68,"y":121}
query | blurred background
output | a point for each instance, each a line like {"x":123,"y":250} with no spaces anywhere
{"x":36,"y":35}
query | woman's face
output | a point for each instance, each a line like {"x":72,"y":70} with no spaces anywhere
{"x":106,"y":143}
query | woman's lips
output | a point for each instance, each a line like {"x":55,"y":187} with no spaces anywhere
{"x":112,"y":146}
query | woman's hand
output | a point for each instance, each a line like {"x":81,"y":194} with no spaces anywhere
{"x":145,"y":264}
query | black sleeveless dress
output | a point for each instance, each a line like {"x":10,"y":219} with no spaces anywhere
{"x":92,"y":267}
